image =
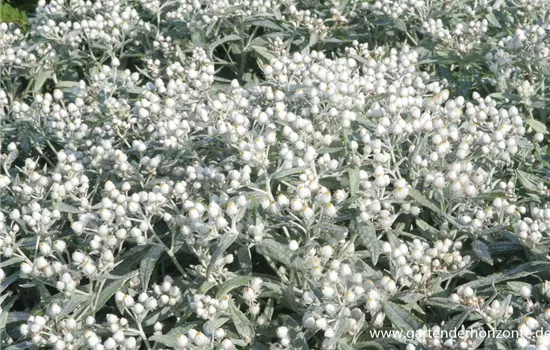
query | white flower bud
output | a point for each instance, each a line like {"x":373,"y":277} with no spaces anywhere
{"x":282,"y":332}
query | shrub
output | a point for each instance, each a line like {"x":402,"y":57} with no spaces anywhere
{"x":275,"y":175}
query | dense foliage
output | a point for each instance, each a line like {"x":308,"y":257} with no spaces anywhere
{"x":275,"y":174}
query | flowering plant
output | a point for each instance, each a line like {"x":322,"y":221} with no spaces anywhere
{"x":275,"y":174}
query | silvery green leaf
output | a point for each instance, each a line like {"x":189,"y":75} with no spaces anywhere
{"x":482,"y":251}
{"x":269,"y":308}
{"x":456,"y":321}
{"x":130,"y":259}
{"x":296,"y":335}
{"x":245,"y":260}
{"x":147,"y":265}
{"x":15,"y":316}
{"x":214,"y":324}
{"x":9,"y":280}
{"x":332,"y":40}
{"x":501,"y":95}
{"x":537,"y":125}
{"x":265,"y":23}
{"x":314,"y":37}
{"x":241,"y":322}
{"x":66,"y":208}
{"x":400,"y":24}
{"x":232,"y":37}
{"x":476,"y":342}
{"x":22,"y":345}
{"x":367,"y":236}
{"x":491,"y":18}
{"x":240,"y":213}
{"x":110,"y":289}
{"x":339,"y":329}
{"x":329,"y":150}
{"x":528,"y":180}
{"x":5,"y":314}
{"x":75,"y":301}
{"x":516,"y":286}
{"x":286,"y":173}
{"x":169,"y":339}
{"x":522,"y":270}
{"x":425,"y":227}
{"x":503,"y":307}
{"x":42,"y":78}
{"x":506,"y":247}
{"x":12,"y":156}
{"x":359,"y":59}
{"x":409,"y":297}
{"x":233,"y":283}
{"x":204,"y":285}
{"x":264,"y":52}
{"x":66,"y":84}
{"x":328,"y":227}
{"x":495,"y":343}
{"x":369,"y":345}
{"x":280,"y":253}
{"x":428,"y":60}
{"x":275,"y":287}
{"x":197,"y":38}
{"x":424,"y":201}
{"x":400,"y":317}
{"x":353,"y":174}
{"x":227,"y":239}
{"x":12,"y":261}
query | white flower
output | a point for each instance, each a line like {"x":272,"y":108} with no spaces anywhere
{"x":128,"y":300}
{"x":307,"y":212}
{"x":77,"y":227}
{"x":321,"y":323}
{"x":200,"y":339}
{"x":4,"y":181}
{"x":26,"y":268}
{"x":525,"y":291}
{"x":232,"y":209}
{"x":282,"y":332}
{"x":227,"y":344}
{"x":401,"y":191}
{"x":249,"y":294}
{"x":182,"y":340}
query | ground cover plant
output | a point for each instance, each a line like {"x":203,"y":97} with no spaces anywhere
{"x":275,"y":174}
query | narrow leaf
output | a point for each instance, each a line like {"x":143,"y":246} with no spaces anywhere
{"x":422,"y":200}
{"x":12,"y":261}
{"x":232,"y":37}
{"x":110,"y":289}
{"x":9,"y":280}
{"x":537,"y":125}
{"x":233,"y":283}
{"x":400,"y":317}
{"x":513,"y":273}
{"x":367,"y":236}
{"x":241,"y":322}
{"x":482,"y":251}
{"x":353,"y":174}
{"x":280,"y":253}
{"x":226,"y":240}
{"x":66,"y":208}
{"x":148,"y":264}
